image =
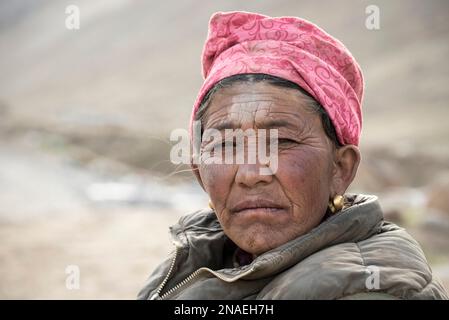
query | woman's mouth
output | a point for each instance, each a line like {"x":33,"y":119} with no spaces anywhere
{"x":260,"y":211}
{"x":257,"y":206}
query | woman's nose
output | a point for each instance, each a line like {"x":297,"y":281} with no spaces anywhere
{"x":250,"y":175}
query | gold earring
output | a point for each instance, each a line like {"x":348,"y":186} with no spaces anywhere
{"x":337,"y":203}
{"x":211,"y":205}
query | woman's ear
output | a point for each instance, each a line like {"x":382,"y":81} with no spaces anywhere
{"x":347,"y":159}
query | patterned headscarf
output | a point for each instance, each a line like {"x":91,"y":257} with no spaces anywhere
{"x":290,"y":48}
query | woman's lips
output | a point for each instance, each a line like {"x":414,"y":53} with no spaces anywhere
{"x":258,"y":206}
{"x":264,"y":210}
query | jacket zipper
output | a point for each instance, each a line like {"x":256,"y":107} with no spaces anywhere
{"x":157,"y":295}
{"x":193,"y":275}
{"x":181,"y":284}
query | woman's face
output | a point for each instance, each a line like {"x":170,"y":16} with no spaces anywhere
{"x":260,"y":212}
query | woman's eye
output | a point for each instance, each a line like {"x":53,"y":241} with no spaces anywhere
{"x":284,"y":141}
{"x":214,"y":146}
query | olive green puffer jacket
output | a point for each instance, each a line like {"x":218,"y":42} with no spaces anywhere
{"x":354,"y":254}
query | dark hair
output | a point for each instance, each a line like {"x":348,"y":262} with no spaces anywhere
{"x":329,"y":128}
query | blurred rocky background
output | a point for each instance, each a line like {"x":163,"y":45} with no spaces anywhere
{"x":85,"y":119}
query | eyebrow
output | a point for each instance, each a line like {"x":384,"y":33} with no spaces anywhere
{"x":265,"y":124}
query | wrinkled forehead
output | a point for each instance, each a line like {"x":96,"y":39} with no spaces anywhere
{"x":259,"y":104}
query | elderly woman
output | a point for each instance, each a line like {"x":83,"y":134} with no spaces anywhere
{"x":294,"y":233}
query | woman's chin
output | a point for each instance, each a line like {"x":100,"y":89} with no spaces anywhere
{"x":257,"y":240}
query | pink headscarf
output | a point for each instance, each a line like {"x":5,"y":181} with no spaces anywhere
{"x":290,"y":48}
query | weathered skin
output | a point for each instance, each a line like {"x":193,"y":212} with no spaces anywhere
{"x":310,"y":169}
